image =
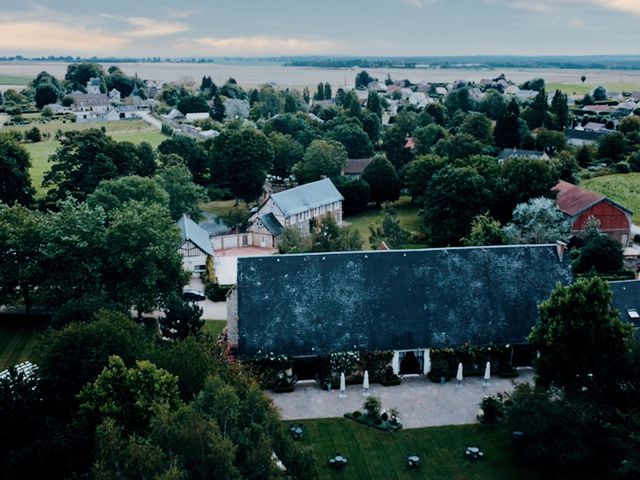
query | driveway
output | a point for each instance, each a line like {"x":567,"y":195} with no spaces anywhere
{"x":210,"y":310}
{"x":151,"y":120}
{"x":420,"y":402}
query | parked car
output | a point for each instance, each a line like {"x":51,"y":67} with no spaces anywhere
{"x":193,"y":295}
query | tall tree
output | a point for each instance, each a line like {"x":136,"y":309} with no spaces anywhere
{"x":193,"y":153}
{"x":382,"y":179}
{"x":323,"y":157}
{"x":354,"y":139}
{"x":15,"y":182}
{"x":184,"y":195}
{"x":286,"y":153}
{"x":374,"y":105}
{"x":560,"y":108}
{"x":389,"y":231}
{"x":217,"y":111}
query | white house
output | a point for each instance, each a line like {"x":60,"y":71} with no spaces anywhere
{"x":296,"y":207}
{"x":93,"y":86}
{"x":192,"y":117}
{"x":195,"y":246}
{"x":114,"y":95}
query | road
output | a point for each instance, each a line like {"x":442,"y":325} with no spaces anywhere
{"x":151,"y":120}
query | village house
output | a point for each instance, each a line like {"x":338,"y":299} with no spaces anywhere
{"x":408,"y":301}
{"x":296,"y":207}
{"x":580,"y":205}
{"x":508,"y":153}
{"x":195,"y":245}
{"x":355,"y":167}
{"x":579,"y":137}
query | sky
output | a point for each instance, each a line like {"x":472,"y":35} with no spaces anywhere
{"x":255,"y":28}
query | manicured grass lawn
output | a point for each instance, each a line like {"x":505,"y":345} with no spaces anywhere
{"x":373,"y":454}
{"x":18,"y":340}
{"x":220,"y":207}
{"x":622,"y":188}
{"x":407,"y":213}
{"x":214,"y":327}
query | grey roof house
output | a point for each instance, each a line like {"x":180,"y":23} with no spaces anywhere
{"x":195,"y":245}
{"x":313,"y":304}
{"x":508,"y":153}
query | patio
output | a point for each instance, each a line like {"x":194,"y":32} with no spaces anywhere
{"x":420,"y":402}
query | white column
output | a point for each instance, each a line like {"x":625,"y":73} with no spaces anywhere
{"x":427,"y":361}
{"x":395,"y":362}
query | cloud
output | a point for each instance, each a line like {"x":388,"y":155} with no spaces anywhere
{"x":418,"y":3}
{"x":148,"y":27}
{"x":260,"y":45}
{"x":38,"y":35}
{"x":631,"y":6}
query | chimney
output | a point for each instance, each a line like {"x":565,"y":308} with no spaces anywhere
{"x":561,"y":248}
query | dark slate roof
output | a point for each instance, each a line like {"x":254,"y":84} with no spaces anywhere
{"x":190,"y":231}
{"x":517,"y":153}
{"x":272,"y":224}
{"x":585,"y":134}
{"x":318,"y":303}
{"x":355,"y":166}
{"x":626,"y":297}
{"x":307,"y":196}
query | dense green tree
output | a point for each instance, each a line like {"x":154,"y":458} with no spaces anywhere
{"x":374,"y":105}
{"x":459,"y":99}
{"x":112,"y":195}
{"x":46,"y":94}
{"x":363,"y":79}
{"x":319,"y":95}
{"x":539,"y":107}
{"x":181,"y":319}
{"x":560,"y":110}
{"x":484,"y":231}
{"x":193,"y":153}
{"x":372,"y":125}
{"x":536,"y":84}
{"x":192,"y":104}
{"x":327,"y":236}
{"x":600,"y":94}
{"x":454,"y":196}
{"x":438,"y":112}
{"x":306,"y":95}
{"x":184,"y":195}
{"x":78,"y":74}
{"x":585,"y":155}
{"x":493,"y":105}
{"x":427,"y":137}
{"x":290,"y":104}
{"x":461,"y":145}
{"x":580,"y":337}
{"x":323,"y":157}
{"x":612,"y":147}
{"x":294,"y":240}
{"x":419,"y":172}
{"x":478,"y":126}
{"x":217,"y":111}
{"x":243,"y":156}
{"x":599,"y":254}
{"x":354,"y":139}
{"x":535,"y":222}
{"x":298,"y":126}
{"x":15,"y":182}
{"x":629,"y":125}
{"x":550,"y":141}
{"x":389,"y":230}
{"x":508,"y":131}
{"x":327,"y":91}
{"x":356,"y":193}
{"x":286,"y":153}
{"x":382,"y":179}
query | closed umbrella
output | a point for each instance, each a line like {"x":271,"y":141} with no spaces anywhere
{"x":343,"y":386}
{"x":487,"y":374}
{"x":459,"y":374}
{"x":365,"y":383}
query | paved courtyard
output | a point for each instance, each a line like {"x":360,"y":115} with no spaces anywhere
{"x":420,"y":402}
{"x":226,"y":261}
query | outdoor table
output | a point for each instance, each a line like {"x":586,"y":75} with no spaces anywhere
{"x":413,"y":461}
{"x":297,"y":432}
{"x":473,"y":453}
{"x":338,"y":461}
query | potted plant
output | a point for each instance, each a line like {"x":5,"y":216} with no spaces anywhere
{"x":390,"y":378}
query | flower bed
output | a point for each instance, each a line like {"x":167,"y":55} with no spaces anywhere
{"x":386,"y":426}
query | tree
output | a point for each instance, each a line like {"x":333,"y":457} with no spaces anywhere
{"x":129,"y":396}
{"x":319,"y":95}
{"x":537,"y":221}
{"x":373,"y":104}
{"x":15,"y":182}
{"x":112,"y":195}
{"x":389,"y":231}
{"x":372,"y":125}
{"x":461,"y":145}
{"x":356,"y":193}
{"x":550,"y":141}
{"x":583,"y":78}
{"x":538,"y":111}
{"x":323,"y":157}
{"x":419,"y":172}
{"x":560,"y":108}
{"x":600,"y":254}
{"x":580,"y":337}
{"x":290,"y":104}
{"x":427,"y":137}
{"x":327,"y":91}
{"x":536,"y":84}
{"x":327,"y":236}
{"x":192,"y":104}
{"x":193,"y":153}
{"x":46,"y":94}
{"x":184,"y":195}
{"x":600,"y":94}
{"x":459,"y":99}
{"x":382,"y":179}
{"x":508,"y":131}
{"x":286,"y":153}
{"x":354,"y":139}
{"x":612,"y":147}
{"x":478,"y":126}
{"x":493,"y":105}
{"x":454,"y":196}
{"x":217,"y":111}
{"x":293,"y":240}
{"x":484,"y":231}
{"x":181,"y":319}
{"x":363,"y":79}
{"x":78,"y":74}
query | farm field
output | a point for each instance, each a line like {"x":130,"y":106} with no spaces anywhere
{"x":14,"y":80}
{"x":407,"y":213}
{"x":18,"y":341}
{"x":584,"y":88}
{"x":373,"y":454}
{"x":622,"y":188}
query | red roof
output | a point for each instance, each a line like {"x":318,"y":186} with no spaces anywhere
{"x":573,"y":199}
{"x":597,"y":108}
{"x":411,"y":143}
{"x":355,"y":166}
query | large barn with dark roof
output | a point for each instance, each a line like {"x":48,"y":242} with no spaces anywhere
{"x":314,"y":304}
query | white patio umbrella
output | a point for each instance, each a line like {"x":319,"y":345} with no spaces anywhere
{"x":365,"y":383}
{"x":343,"y":386}
{"x":459,"y":374}
{"x":487,"y":374}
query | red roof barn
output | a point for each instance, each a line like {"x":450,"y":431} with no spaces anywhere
{"x":579,"y":204}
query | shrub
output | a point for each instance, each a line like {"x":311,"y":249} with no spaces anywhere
{"x":166,"y":130}
{"x":372,"y":405}
{"x":492,"y":409}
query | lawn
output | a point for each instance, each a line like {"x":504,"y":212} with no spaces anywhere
{"x":14,"y":80}
{"x":622,"y":188}
{"x":407,"y":213}
{"x":214,"y":327}
{"x":220,"y":207}
{"x":131,"y":131}
{"x":18,"y":341}
{"x":373,"y":454}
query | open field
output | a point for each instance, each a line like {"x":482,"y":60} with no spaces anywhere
{"x":407,"y":213}
{"x":373,"y":454}
{"x":14,"y":80}
{"x":18,"y":340}
{"x":135,"y":131}
{"x":584,"y":88}
{"x":621,"y":188}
